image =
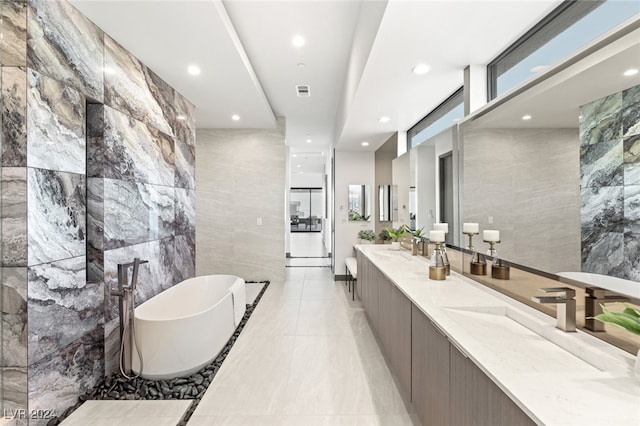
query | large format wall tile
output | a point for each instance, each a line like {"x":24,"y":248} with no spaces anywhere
{"x":14,"y":317}
{"x":55,"y":125}
{"x":185,"y":223}
{"x":56,"y":382}
{"x":63,"y":307}
{"x":602,"y":208}
{"x":184,"y":258}
{"x":14,"y":112}
{"x":96,"y":152}
{"x":95,"y":230}
{"x":65,"y":45}
{"x":632,"y":209}
{"x":136,"y":212}
{"x":631,"y":111}
{"x":135,"y":151}
{"x":13,"y":27}
{"x":632,"y":160}
{"x":601,"y":164}
{"x":603,"y":252}
{"x":601,"y":120}
{"x":133,"y":90}
{"x":56,"y":218}
{"x":184,"y":129}
{"x":632,"y":256}
{"x":14,"y":216}
{"x":155,"y":276}
{"x":14,"y":389}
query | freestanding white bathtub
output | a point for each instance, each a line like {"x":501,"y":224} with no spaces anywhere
{"x":186,"y":326}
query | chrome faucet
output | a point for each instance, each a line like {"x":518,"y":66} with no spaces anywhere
{"x":593,"y":301}
{"x":566,"y":312}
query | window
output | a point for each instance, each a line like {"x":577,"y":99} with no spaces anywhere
{"x":442,"y":117}
{"x":570,"y":26}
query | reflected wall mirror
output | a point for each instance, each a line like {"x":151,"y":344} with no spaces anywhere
{"x":553,"y":166}
{"x":359,"y":203}
{"x":388,"y":203}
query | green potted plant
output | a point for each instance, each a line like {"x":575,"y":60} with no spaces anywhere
{"x":418,"y":239}
{"x":394,"y":234}
{"x":629,"y":319}
{"x":383,"y":236}
{"x":366,"y":236}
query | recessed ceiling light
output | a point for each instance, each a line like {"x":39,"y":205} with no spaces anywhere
{"x":308,"y":140}
{"x":526,"y":117}
{"x":193,"y":70}
{"x":299,"y":165}
{"x":365,"y":143}
{"x":298,"y":41}
{"x":235,"y":117}
{"x":630,"y":72}
{"x":421,"y":69}
{"x":384,"y":119}
{"x":301,"y":65}
{"x":181,"y":117}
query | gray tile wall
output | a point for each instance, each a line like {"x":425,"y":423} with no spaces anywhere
{"x":77,"y":201}
{"x":240,"y":176}
{"x":527,"y":180}
{"x":610,"y":185}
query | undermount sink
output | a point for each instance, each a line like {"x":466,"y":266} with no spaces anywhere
{"x":517,"y":334}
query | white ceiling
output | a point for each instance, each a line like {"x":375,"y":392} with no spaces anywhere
{"x":358,"y":58}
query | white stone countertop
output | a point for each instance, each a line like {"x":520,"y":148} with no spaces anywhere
{"x":557,"y":378}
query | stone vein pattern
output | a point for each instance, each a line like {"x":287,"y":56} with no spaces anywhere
{"x":56,"y":381}
{"x":609,"y":185}
{"x":185,"y":138}
{"x":56,"y":220}
{"x":66,"y":46}
{"x":55,"y":125}
{"x":134,"y":151}
{"x":63,"y":307}
{"x":13,"y":26}
{"x":14,"y":111}
{"x":134,"y":90}
{"x":14,"y":337}
{"x":95,"y":229}
{"x":137,"y":213}
{"x":14,"y":216}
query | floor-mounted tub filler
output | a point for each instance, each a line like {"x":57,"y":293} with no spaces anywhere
{"x":185,"y":327}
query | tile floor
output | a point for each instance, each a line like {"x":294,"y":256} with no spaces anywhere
{"x":306,"y":357}
{"x":128,"y":413}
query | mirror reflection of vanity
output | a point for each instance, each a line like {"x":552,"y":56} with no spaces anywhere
{"x":359,"y":203}
{"x":555,"y":167}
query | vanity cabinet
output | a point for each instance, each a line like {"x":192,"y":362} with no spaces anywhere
{"x":476,"y":400}
{"x":430,"y":371}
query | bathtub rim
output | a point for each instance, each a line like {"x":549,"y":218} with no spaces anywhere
{"x":183,"y":317}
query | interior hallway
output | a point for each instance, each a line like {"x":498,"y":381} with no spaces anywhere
{"x":307,"y":356}
{"x":307,"y":249}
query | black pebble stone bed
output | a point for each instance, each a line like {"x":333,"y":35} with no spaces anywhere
{"x":117,"y":387}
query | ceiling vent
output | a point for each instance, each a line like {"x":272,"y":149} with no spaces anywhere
{"x":303,"y":91}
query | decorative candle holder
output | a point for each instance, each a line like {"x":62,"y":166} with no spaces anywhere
{"x":437,"y":269}
{"x":478,"y":264}
{"x":498,"y":269}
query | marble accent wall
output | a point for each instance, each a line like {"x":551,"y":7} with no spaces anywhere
{"x":526,"y":180}
{"x":240,"y":175}
{"x":610,"y":185}
{"x":98,"y":167}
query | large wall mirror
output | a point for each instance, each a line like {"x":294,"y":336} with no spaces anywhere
{"x":359,"y":203}
{"x":556,"y":166}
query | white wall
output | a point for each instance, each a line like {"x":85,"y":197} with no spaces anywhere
{"x":351,"y":168}
{"x":240,"y":177}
